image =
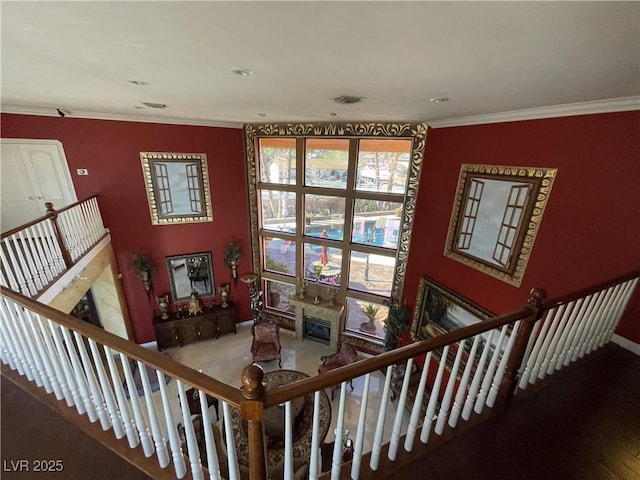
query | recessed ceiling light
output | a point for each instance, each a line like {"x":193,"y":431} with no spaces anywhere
{"x":138,"y":82}
{"x":243,"y":72}
{"x":333,"y":114}
{"x":439,"y":99}
{"x":262,"y":114}
{"x":347,"y":99}
{"x":155,"y":105}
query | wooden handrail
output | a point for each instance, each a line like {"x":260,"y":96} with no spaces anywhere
{"x":44,"y":217}
{"x":341,"y":374}
{"x":583,"y":292}
{"x":154,"y":359}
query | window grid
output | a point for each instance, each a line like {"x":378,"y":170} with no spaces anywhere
{"x":470,"y":214}
{"x":509,"y":226}
{"x":164,"y":189}
{"x":193,"y":184}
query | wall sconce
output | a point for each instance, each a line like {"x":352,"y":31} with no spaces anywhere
{"x":232,"y":255}
{"x":143,"y":266}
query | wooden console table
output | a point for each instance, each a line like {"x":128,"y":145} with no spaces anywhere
{"x":212,"y":322}
{"x":306,"y":308}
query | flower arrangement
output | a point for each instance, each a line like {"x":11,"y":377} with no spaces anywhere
{"x":143,"y":266}
{"x":232,"y":256}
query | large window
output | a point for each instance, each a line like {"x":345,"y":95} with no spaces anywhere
{"x":334,"y":211}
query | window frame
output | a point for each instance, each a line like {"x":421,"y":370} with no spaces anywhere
{"x":353,"y":132}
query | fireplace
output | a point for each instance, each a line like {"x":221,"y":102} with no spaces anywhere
{"x":317,"y":330}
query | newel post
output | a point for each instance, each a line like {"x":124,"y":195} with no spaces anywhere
{"x":252,"y":410}
{"x":510,"y":379}
{"x":53,"y":215}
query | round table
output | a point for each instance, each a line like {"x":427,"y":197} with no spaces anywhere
{"x":302,"y":426}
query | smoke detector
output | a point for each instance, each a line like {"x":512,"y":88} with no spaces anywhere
{"x":347,"y":99}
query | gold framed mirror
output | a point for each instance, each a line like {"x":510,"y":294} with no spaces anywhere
{"x":495,"y":218}
{"x":177,"y":187}
{"x":190,"y":273}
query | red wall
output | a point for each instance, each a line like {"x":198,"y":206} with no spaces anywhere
{"x":591,"y":226}
{"x":589,"y":232}
{"x":111,"y":152}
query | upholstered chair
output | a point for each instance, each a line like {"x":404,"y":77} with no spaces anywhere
{"x":345,"y":355}
{"x":266,"y":342}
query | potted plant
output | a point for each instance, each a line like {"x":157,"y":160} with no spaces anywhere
{"x":143,"y":266}
{"x":395,"y":324}
{"x":232,"y":255}
{"x":371,"y":312}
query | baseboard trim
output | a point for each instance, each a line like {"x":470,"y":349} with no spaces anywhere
{"x":626,"y":344}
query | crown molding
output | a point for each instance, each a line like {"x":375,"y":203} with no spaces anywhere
{"x":122,"y":117}
{"x":566,"y":110}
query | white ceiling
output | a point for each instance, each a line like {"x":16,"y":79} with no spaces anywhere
{"x":487,"y":57}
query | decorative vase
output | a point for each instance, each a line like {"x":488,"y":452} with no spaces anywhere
{"x":163,"y":305}
{"x":224,"y":294}
{"x":194,"y":304}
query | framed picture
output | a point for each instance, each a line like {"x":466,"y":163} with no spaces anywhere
{"x":495,"y":218}
{"x":190,"y":273}
{"x":439,"y":310}
{"x":177,"y":187}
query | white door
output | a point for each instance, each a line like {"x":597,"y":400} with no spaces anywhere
{"x":33,"y":172}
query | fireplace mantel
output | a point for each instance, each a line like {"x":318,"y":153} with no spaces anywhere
{"x":322,"y":311}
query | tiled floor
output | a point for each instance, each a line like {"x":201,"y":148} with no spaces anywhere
{"x":224,"y":359}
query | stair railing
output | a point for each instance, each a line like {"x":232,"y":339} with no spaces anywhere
{"x":34,"y":255}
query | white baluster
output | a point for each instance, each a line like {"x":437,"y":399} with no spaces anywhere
{"x":477,"y":377}
{"x":357,"y":451}
{"x":156,"y":433}
{"x":464,"y":381}
{"x":621,"y":305}
{"x":232,"y":458}
{"x":577,"y":321}
{"x":533,"y":364}
{"x":433,"y":398}
{"x":377,"y":438}
{"x":601,"y":321}
{"x":193,"y":450}
{"x":8,"y":353}
{"x":30,"y":263}
{"x":109,"y":399}
{"x":172,"y":432}
{"x":213,"y":464}
{"x":530,"y":342}
{"x":417,"y":405}
{"x":337,"y":444}
{"x":488,"y":376}
{"x":41,"y":357}
{"x":134,"y":401}
{"x":66,"y":367}
{"x":23,"y":346}
{"x":314,"y":469}
{"x":123,"y":405}
{"x":11,"y":341}
{"x":54,"y":247}
{"x":58,"y":377}
{"x":96,"y":394}
{"x":19,"y":267}
{"x":8,"y":269}
{"x":35,"y":255}
{"x":609,"y":315}
{"x":560,"y":349}
{"x":497,"y":379}
{"x":555,"y":346}
{"x":448,"y":393}
{"x":67,"y":234}
{"x":42,"y":255}
{"x":397,"y":421}
{"x":288,"y":442}
{"x":544,"y":355}
{"x":81,"y":380}
{"x":589,"y":326}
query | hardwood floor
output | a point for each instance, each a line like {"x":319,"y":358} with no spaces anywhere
{"x":583,"y":426}
{"x":586,"y":426}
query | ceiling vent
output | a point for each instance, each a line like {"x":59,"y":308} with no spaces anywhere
{"x":347,"y":99}
{"x":159,"y":106}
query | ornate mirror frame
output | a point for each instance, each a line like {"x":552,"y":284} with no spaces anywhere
{"x":177,"y":187}
{"x":495,"y":218}
{"x":188,"y":273}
